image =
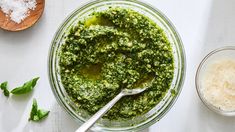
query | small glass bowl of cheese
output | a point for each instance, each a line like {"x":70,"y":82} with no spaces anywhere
{"x":215,"y":81}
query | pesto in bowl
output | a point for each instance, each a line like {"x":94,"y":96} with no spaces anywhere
{"x":107,"y":45}
{"x":111,"y":50}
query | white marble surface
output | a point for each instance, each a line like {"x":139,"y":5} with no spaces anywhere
{"x":202,"y":24}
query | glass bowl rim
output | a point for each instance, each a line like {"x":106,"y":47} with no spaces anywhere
{"x":198,"y":72}
{"x":181,"y":57}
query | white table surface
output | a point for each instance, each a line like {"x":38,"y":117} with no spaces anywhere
{"x":202,"y":24}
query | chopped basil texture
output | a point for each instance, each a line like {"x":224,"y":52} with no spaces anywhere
{"x":111,"y":50}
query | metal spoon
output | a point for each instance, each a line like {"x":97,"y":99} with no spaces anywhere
{"x":102,"y":111}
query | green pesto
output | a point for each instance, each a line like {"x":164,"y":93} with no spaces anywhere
{"x":111,"y":50}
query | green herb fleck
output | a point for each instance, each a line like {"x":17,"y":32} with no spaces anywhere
{"x":37,"y":114}
{"x":173,"y":92}
{"x":3,"y":86}
{"x":27,"y":87}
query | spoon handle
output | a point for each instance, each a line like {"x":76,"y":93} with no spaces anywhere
{"x":89,"y":123}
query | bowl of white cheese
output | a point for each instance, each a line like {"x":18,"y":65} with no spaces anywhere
{"x":215,"y":81}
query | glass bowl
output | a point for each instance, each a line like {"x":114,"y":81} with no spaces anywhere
{"x":213,"y":56}
{"x":155,"y":113}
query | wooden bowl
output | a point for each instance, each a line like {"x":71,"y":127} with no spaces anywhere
{"x":7,"y":24}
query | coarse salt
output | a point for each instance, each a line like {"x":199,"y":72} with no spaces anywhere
{"x":17,"y":10}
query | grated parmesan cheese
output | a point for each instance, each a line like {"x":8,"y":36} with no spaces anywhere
{"x":218,"y":85}
{"x":17,"y":10}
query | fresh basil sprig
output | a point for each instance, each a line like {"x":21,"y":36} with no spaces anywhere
{"x":37,"y":114}
{"x":27,"y":87}
{"x":3,"y":86}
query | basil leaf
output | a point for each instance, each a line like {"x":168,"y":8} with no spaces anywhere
{"x":37,"y":114}
{"x":27,"y":87}
{"x":33,"y":110}
{"x":3,"y":86}
{"x":42,"y":114}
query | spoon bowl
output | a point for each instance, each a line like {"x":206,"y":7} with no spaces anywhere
{"x":133,"y":91}
{"x":141,"y":88}
{"x":7,"y":24}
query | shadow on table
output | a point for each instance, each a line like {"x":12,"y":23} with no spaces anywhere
{"x":58,"y":121}
{"x":221,"y":25}
{"x":13,"y":111}
{"x":220,"y":32}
